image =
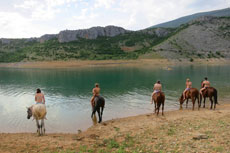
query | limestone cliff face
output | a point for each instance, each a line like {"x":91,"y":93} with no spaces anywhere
{"x":92,"y":33}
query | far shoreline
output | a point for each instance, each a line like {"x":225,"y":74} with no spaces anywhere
{"x":142,"y":63}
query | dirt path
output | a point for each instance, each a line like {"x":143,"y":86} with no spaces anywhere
{"x":178,"y":131}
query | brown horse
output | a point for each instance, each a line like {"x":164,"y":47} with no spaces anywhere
{"x":159,"y":98}
{"x":193,"y":94}
{"x":209,"y":92}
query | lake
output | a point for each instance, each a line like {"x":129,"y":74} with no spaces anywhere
{"x":127,"y":92}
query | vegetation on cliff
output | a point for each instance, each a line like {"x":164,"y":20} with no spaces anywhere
{"x":206,"y":37}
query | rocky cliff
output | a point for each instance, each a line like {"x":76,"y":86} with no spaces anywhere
{"x":91,"y":33}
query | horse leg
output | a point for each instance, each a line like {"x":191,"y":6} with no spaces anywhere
{"x":99,"y":115}
{"x":210,"y":98}
{"x":204,"y":102}
{"x":193,"y":103}
{"x":215,"y":105}
{"x":200,"y":99}
{"x":93,"y":112}
{"x":38,"y":127}
{"x":43,"y":127}
{"x":187,"y":103}
{"x":163,"y":109}
{"x":155,"y":106}
{"x":102,"y":108}
{"x":158,"y":107}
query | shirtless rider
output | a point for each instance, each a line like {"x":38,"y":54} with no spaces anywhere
{"x":39,"y":97}
{"x":205,"y":84}
{"x":188,"y":85}
{"x":157,"y":88}
{"x":96,"y":92}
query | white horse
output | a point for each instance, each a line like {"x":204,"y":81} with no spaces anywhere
{"x":38,"y":111}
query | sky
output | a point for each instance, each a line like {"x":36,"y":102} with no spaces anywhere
{"x":34,"y":18}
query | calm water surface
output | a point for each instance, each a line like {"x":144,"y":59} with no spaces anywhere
{"x":68,"y":91}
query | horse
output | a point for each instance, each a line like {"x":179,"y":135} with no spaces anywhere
{"x":158,"y":98}
{"x":99,"y":102}
{"x":38,"y":111}
{"x":209,"y":92}
{"x":193,"y":94}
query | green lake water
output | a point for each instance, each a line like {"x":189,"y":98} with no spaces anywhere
{"x":127,"y":92}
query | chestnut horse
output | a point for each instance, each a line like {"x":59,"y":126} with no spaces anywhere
{"x":193,"y":94}
{"x":158,"y":98}
{"x":209,"y":92}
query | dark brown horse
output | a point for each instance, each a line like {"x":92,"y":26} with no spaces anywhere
{"x":193,"y":94}
{"x":159,"y":98}
{"x":209,"y":92}
{"x":99,"y":104}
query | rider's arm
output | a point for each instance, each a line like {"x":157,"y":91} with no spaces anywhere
{"x":202,"y":85}
{"x":43,"y":97}
{"x":94,"y":92}
{"x":36,"y":98}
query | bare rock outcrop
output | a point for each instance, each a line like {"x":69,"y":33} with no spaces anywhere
{"x":47,"y":37}
{"x":92,"y":33}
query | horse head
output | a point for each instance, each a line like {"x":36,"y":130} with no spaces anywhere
{"x":181,"y":99}
{"x":29,"y":112}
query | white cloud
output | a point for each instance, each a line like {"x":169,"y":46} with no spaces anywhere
{"x":31,"y":18}
{"x":43,"y":9}
{"x":104,"y":3}
{"x":13,"y":25}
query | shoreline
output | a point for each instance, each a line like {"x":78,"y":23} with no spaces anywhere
{"x":113,"y":63}
{"x":134,"y":127}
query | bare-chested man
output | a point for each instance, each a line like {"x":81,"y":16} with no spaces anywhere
{"x":188,"y":85}
{"x":96,"y":92}
{"x":204,"y":85}
{"x":157,"y":87}
{"x":39,"y":97}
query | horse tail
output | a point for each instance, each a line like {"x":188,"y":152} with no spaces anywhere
{"x":103,"y":105}
{"x":215,"y":96}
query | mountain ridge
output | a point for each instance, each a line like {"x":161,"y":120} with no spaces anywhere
{"x":185,"y":19}
{"x":205,"y":37}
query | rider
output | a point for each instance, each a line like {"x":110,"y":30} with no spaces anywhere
{"x":188,"y":85}
{"x":157,"y":87}
{"x":39,"y":97}
{"x":96,"y":92}
{"x":205,"y":84}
